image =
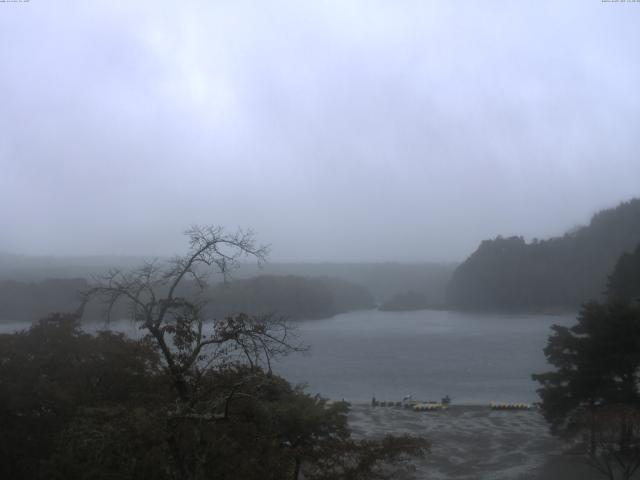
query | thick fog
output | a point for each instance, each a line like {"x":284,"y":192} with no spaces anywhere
{"x":359,"y":130}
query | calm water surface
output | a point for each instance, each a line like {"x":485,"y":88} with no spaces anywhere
{"x":474,"y":358}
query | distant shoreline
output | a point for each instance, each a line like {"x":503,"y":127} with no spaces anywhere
{"x":535,"y":312}
{"x":489,"y":311}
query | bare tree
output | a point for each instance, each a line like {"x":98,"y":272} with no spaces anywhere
{"x":166,"y":299}
{"x":616,"y":438}
{"x":224,"y":393}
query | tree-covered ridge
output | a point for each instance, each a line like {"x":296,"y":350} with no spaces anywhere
{"x":29,"y":301}
{"x":509,"y":273}
{"x":593,"y":392}
{"x":405,"y":302}
{"x":382,"y":279}
{"x":624,"y":281}
{"x":292,"y":296}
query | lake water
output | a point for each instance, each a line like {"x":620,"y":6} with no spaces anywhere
{"x":474,"y":358}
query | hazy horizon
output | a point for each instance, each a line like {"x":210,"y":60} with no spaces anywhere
{"x":338,"y":132}
{"x":270,"y":260}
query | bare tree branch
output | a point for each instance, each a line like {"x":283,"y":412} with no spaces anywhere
{"x":187,"y":340}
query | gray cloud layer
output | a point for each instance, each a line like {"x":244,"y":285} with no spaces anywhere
{"x":357,"y":130}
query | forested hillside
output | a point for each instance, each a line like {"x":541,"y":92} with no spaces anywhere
{"x":290,"y":296}
{"x":624,"y":281}
{"x":509,"y":273}
{"x":406,"y":302}
{"x":382,"y":279}
{"x":30,"y":301}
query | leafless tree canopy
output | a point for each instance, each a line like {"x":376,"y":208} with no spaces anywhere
{"x":189,"y":342}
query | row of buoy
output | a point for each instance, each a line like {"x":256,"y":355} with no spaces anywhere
{"x":430,"y":406}
{"x":425,"y":407}
{"x":386,"y":404}
{"x":509,"y":406}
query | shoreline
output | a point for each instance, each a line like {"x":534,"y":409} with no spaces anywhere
{"x":473,"y":441}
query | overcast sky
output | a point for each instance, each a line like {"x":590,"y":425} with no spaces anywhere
{"x":337,"y":130}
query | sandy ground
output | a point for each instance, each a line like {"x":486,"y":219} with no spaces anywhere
{"x":475,"y":442}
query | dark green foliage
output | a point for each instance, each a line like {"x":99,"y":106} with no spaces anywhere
{"x":624,"y":282}
{"x":508,"y":273}
{"x":51,"y":372}
{"x":594,"y":391}
{"x":112,"y":443}
{"x":405,"y":302}
{"x":77,"y":406}
{"x":597,"y":363}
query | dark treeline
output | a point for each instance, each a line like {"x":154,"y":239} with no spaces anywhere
{"x":502,"y":274}
{"x":383,"y":280}
{"x":509,"y":273}
{"x":592,"y":396}
{"x":27,"y":268}
{"x":624,"y":281}
{"x":104,"y":407}
{"x":29,"y":301}
{"x":290,"y":296}
{"x":406,"y":302}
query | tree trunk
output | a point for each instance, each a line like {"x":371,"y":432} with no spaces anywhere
{"x":296,"y":470}
{"x":592,"y":431}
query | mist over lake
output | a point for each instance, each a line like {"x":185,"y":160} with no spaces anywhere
{"x":472,"y":357}
{"x":297,"y":215}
